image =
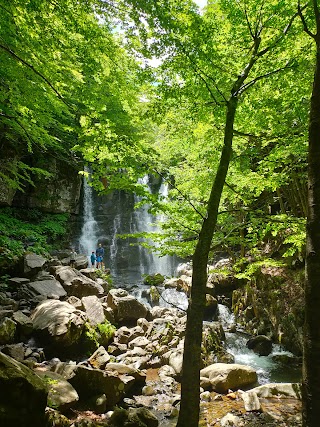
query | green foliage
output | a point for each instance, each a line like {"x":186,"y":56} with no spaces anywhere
{"x":253,"y":267}
{"x":24,"y":230}
{"x":106,"y":277}
{"x":106,"y":331}
{"x":153,"y":279}
{"x":101,"y":334}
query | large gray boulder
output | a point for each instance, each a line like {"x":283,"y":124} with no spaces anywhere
{"x":125,"y":307}
{"x":32,"y":264}
{"x":59,"y":322}
{"x":223,"y":376}
{"x":49,"y":288}
{"x":23,"y":395}
{"x":76,"y":283}
{"x":94,"y":309}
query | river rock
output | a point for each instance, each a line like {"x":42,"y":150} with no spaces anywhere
{"x":175,"y":361}
{"x":16,"y":351}
{"x":93,"y":382}
{"x":251,"y":401}
{"x":7,"y":331}
{"x":224,"y":376}
{"x":62,"y":395}
{"x":292,"y":390}
{"x":17,"y":281}
{"x":32,"y":264}
{"x":120,"y":368}
{"x":75,"y":283}
{"x":94,"y":309}
{"x":59,"y":322}
{"x":23,"y":395}
{"x":231,"y":420}
{"x":99,"y":358}
{"x":126,"y":307}
{"x":260,"y":344}
{"x":48,"y":288}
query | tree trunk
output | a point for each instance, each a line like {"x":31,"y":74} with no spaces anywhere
{"x":190,"y":406}
{"x":311,"y":357}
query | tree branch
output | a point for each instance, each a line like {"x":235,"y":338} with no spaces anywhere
{"x":6,"y":116}
{"x":285,"y":31}
{"x":248,"y":22}
{"x":252,"y":82}
{"x":181,"y":194}
{"x":304,"y":23}
{"x":14,"y":55}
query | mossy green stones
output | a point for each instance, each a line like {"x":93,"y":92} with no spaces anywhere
{"x":94,"y":336}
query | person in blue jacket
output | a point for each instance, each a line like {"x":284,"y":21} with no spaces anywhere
{"x":100,"y":255}
{"x":93,"y":259}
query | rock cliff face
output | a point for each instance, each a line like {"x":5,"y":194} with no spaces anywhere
{"x":272,"y":304}
{"x":57,"y":193}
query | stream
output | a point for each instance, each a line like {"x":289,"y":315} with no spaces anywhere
{"x":106,"y":217}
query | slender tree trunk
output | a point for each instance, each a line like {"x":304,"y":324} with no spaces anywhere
{"x":190,"y":406}
{"x":311,"y":357}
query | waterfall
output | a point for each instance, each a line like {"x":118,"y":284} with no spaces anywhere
{"x":144,"y":221}
{"x":106,"y":218}
{"x":88,"y":237}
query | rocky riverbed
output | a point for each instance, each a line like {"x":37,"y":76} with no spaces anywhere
{"x":64,"y":363}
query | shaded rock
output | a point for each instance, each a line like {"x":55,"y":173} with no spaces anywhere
{"x":7,"y":331}
{"x":89,"y":272}
{"x":17,"y":281}
{"x":23,"y":395}
{"x":81,"y":262}
{"x":211,"y":307}
{"x":32,"y":264}
{"x":55,"y":418}
{"x":133,"y":417}
{"x":92,"y":382}
{"x":16,"y":351}
{"x":260,"y":344}
{"x":61,"y":394}
{"x":24,"y":324}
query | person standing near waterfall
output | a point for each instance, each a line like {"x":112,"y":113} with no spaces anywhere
{"x":100,"y":255}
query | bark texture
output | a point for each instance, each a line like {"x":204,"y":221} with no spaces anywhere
{"x":311,"y":357}
{"x":190,"y":389}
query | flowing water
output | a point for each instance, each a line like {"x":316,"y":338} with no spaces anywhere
{"x":268,"y":370}
{"x":88,"y":237}
{"x":105,"y":218}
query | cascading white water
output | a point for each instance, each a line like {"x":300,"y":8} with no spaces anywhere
{"x":267,"y":369}
{"x":88,"y":237}
{"x":150,"y":262}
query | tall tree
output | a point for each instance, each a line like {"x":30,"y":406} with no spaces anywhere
{"x":311,"y":355}
{"x":216,"y":57}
